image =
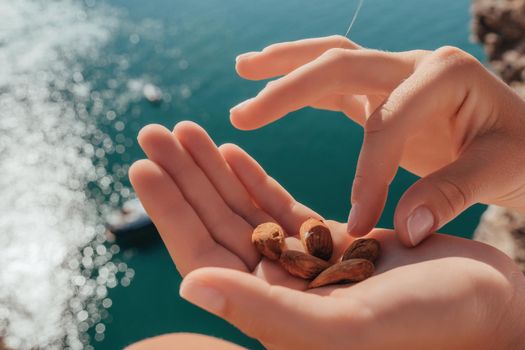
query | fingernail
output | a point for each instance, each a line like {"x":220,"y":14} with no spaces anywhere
{"x":245,"y":55}
{"x":419,"y":224}
{"x":239,"y":106}
{"x":352,"y":218}
{"x":202,"y":295}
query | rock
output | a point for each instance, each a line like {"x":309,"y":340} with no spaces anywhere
{"x":500,"y":26}
{"x":504,"y":229}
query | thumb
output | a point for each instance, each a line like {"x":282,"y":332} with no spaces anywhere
{"x":438,"y":198}
{"x":271,"y":314}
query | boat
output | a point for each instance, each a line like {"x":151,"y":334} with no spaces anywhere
{"x":131,"y":225}
{"x":152,"y":93}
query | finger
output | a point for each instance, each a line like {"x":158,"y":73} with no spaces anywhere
{"x":282,"y":58}
{"x":226,"y":227}
{"x":178,"y":341}
{"x":340,"y":238}
{"x":432,"y":90}
{"x":376,"y":168}
{"x":360,"y":72}
{"x":262,"y":311}
{"x":436,"y":199}
{"x":353,"y":106}
{"x":265,"y":191}
{"x":205,"y":153}
{"x":187,"y":239}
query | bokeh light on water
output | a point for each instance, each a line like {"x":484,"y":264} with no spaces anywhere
{"x":61,"y":126}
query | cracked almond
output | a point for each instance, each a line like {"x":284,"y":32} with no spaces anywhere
{"x":317,"y":239}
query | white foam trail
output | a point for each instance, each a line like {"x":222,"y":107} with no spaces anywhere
{"x":45,"y":165}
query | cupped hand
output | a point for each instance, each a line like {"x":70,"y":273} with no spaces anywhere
{"x":448,"y":293}
{"x":439,"y":114}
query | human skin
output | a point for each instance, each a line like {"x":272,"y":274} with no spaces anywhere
{"x":446,"y":293}
{"x":183,"y":341}
{"x":439,"y":114}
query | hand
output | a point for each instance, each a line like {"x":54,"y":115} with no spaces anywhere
{"x":183,"y":341}
{"x":441,"y":115}
{"x":448,"y":293}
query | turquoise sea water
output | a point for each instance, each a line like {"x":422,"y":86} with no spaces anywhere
{"x":187,"y":48}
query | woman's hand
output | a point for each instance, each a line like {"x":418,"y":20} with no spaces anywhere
{"x":448,"y":293}
{"x":440,"y":115}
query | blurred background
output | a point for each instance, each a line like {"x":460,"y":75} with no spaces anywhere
{"x":78,"y":79}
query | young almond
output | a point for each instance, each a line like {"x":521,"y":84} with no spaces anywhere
{"x":317,"y":239}
{"x":268,"y":238}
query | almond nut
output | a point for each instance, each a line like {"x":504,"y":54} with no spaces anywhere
{"x":366,"y":248}
{"x":354,"y":270}
{"x":302,"y":265}
{"x":317,"y":239}
{"x":268,"y":238}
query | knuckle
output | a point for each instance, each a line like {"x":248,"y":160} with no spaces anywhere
{"x":378,"y":120}
{"x":373,"y":126}
{"x":455,"y":59}
{"x":449,"y":51}
{"x":338,"y":39}
{"x":456,"y":196}
{"x":335,"y":55}
{"x":342,"y":41}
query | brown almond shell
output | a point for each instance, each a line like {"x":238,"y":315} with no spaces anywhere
{"x":317,"y":239}
{"x":365,"y":248}
{"x":268,"y":238}
{"x":302,"y":265}
{"x":348,"y":271}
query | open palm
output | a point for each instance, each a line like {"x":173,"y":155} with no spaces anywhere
{"x":205,"y":201}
